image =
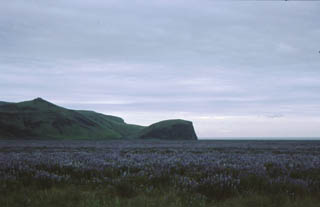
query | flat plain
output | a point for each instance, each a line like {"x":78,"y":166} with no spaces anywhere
{"x":160,"y":173}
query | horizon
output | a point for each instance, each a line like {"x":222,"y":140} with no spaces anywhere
{"x":232,"y":69}
{"x":231,"y":138}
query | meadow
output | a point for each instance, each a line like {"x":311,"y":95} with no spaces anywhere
{"x":160,"y":173}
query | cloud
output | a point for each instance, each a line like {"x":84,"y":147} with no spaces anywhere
{"x":212,"y":62}
{"x":275,"y":116}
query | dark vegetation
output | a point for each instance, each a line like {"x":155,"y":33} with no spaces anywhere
{"x":145,"y":173}
{"x":43,"y":120}
{"x":179,"y":129}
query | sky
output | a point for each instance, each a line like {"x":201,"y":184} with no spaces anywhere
{"x":234,"y":68}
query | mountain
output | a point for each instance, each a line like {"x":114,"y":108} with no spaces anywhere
{"x":2,"y":103}
{"x":175,"y":129}
{"x":40,"y":119}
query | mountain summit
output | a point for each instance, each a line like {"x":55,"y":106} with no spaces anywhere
{"x":40,"y":119}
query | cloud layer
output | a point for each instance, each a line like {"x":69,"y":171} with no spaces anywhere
{"x":233,"y":68}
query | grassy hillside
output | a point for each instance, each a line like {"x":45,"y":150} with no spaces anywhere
{"x":176,"y":129}
{"x":2,"y":103}
{"x":41,"y":119}
{"x":112,"y":122}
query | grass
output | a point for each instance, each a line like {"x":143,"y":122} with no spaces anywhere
{"x":141,"y":191}
{"x":150,"y":174}
{"x":177,"y":128}
{"x":91,"y":196}
{"x":41,"y":119}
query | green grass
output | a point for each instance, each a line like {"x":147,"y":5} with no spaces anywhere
{"x":3,"y":103}
{"x":41,"y":119}
{"x":166,"y":124}
{"x":168,"y":129}
{"x":81,"y":182}
{"x":103,"y":196}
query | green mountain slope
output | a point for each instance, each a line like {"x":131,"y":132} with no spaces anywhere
{"x":115,"y":123}
{"x":175,"y":129}
{"x":41,"y":119}
{"x":2,"y":103}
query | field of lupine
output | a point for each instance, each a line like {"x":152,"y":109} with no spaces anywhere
{"x":142,"y":173}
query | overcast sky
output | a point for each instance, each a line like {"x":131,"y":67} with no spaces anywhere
{"x":234,"y":68}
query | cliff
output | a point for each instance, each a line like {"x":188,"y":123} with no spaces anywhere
{"x":176,"y":129}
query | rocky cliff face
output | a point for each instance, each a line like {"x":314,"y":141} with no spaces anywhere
{"x":169,"y":130}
